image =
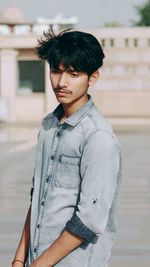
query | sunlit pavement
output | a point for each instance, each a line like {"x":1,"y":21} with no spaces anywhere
{"x":17,"y":156}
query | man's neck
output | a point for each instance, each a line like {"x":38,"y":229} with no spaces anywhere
{"x":69,"y":109}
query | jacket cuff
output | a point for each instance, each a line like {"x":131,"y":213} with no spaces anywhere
{"x":77,"y":227}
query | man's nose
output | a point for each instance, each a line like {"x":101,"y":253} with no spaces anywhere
{"x":63,"y":80}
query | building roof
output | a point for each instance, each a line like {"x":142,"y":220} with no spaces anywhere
{"x":12,"y":15}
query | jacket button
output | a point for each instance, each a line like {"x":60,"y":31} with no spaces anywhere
{"x":38,"y":226}
{"x":35,"y":250}
{"x":60,"y":157}
{"x":42,"y":203}
{"x":52,"y":157}
{"x":58,"y":134}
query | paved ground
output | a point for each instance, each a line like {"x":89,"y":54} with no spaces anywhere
{"x":17,"y":153}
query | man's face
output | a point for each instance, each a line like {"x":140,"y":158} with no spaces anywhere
{"x":68,"y":85}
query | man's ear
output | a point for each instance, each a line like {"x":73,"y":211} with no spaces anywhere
{"x":94,"y":77}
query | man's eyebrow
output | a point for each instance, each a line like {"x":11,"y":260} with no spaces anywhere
{"x":72,"y":70}
{"x":68,"y":69}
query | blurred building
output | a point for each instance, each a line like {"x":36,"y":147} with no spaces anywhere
{"x":123,"y":90}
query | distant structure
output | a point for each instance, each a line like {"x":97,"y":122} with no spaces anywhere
{"x":123,"y":90}
{"x":12,"y":20}
{"x":11,"y":17}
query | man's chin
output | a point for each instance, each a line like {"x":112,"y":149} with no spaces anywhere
{"x":62,"y":100}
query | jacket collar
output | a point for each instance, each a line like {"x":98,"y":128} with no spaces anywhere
{"x":76,"y":116}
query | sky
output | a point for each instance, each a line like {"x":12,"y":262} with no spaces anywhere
{"x":90,"y":13}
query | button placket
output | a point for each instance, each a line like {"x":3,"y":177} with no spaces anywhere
{"x":55,"y":145}
{"x":46,"y":184}
{"x":36,"y":241}
{"x":51,"y":168}
{"x":53,"y":156}
{"x":38,"y":226}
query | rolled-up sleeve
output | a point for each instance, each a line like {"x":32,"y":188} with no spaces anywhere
{"x":100,"y":164}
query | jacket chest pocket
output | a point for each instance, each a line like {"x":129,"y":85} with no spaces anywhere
{"x":67,"y":173}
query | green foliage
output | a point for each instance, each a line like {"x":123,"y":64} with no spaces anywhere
{"x":144,"y":14}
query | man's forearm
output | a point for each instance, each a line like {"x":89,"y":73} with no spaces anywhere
{"x":22,"y":250}
{"x":61,"y":247}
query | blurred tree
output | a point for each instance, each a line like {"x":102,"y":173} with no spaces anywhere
{"x":144,"y":14}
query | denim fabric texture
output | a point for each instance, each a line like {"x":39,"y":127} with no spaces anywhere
{"x":76,"y":186}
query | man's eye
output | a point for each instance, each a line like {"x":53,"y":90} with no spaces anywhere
{"x":74,"y":75}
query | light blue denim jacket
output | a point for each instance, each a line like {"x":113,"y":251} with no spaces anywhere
{"x":76,"y":186}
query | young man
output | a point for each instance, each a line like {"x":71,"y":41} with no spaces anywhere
{"x":72,"y":218}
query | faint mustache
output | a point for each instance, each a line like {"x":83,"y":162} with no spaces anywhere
{"x":62,"y":90}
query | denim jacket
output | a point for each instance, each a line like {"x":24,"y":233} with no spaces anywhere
{"x":76,"y":186}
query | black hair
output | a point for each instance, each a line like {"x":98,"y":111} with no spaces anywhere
{"x":76,"y":49}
